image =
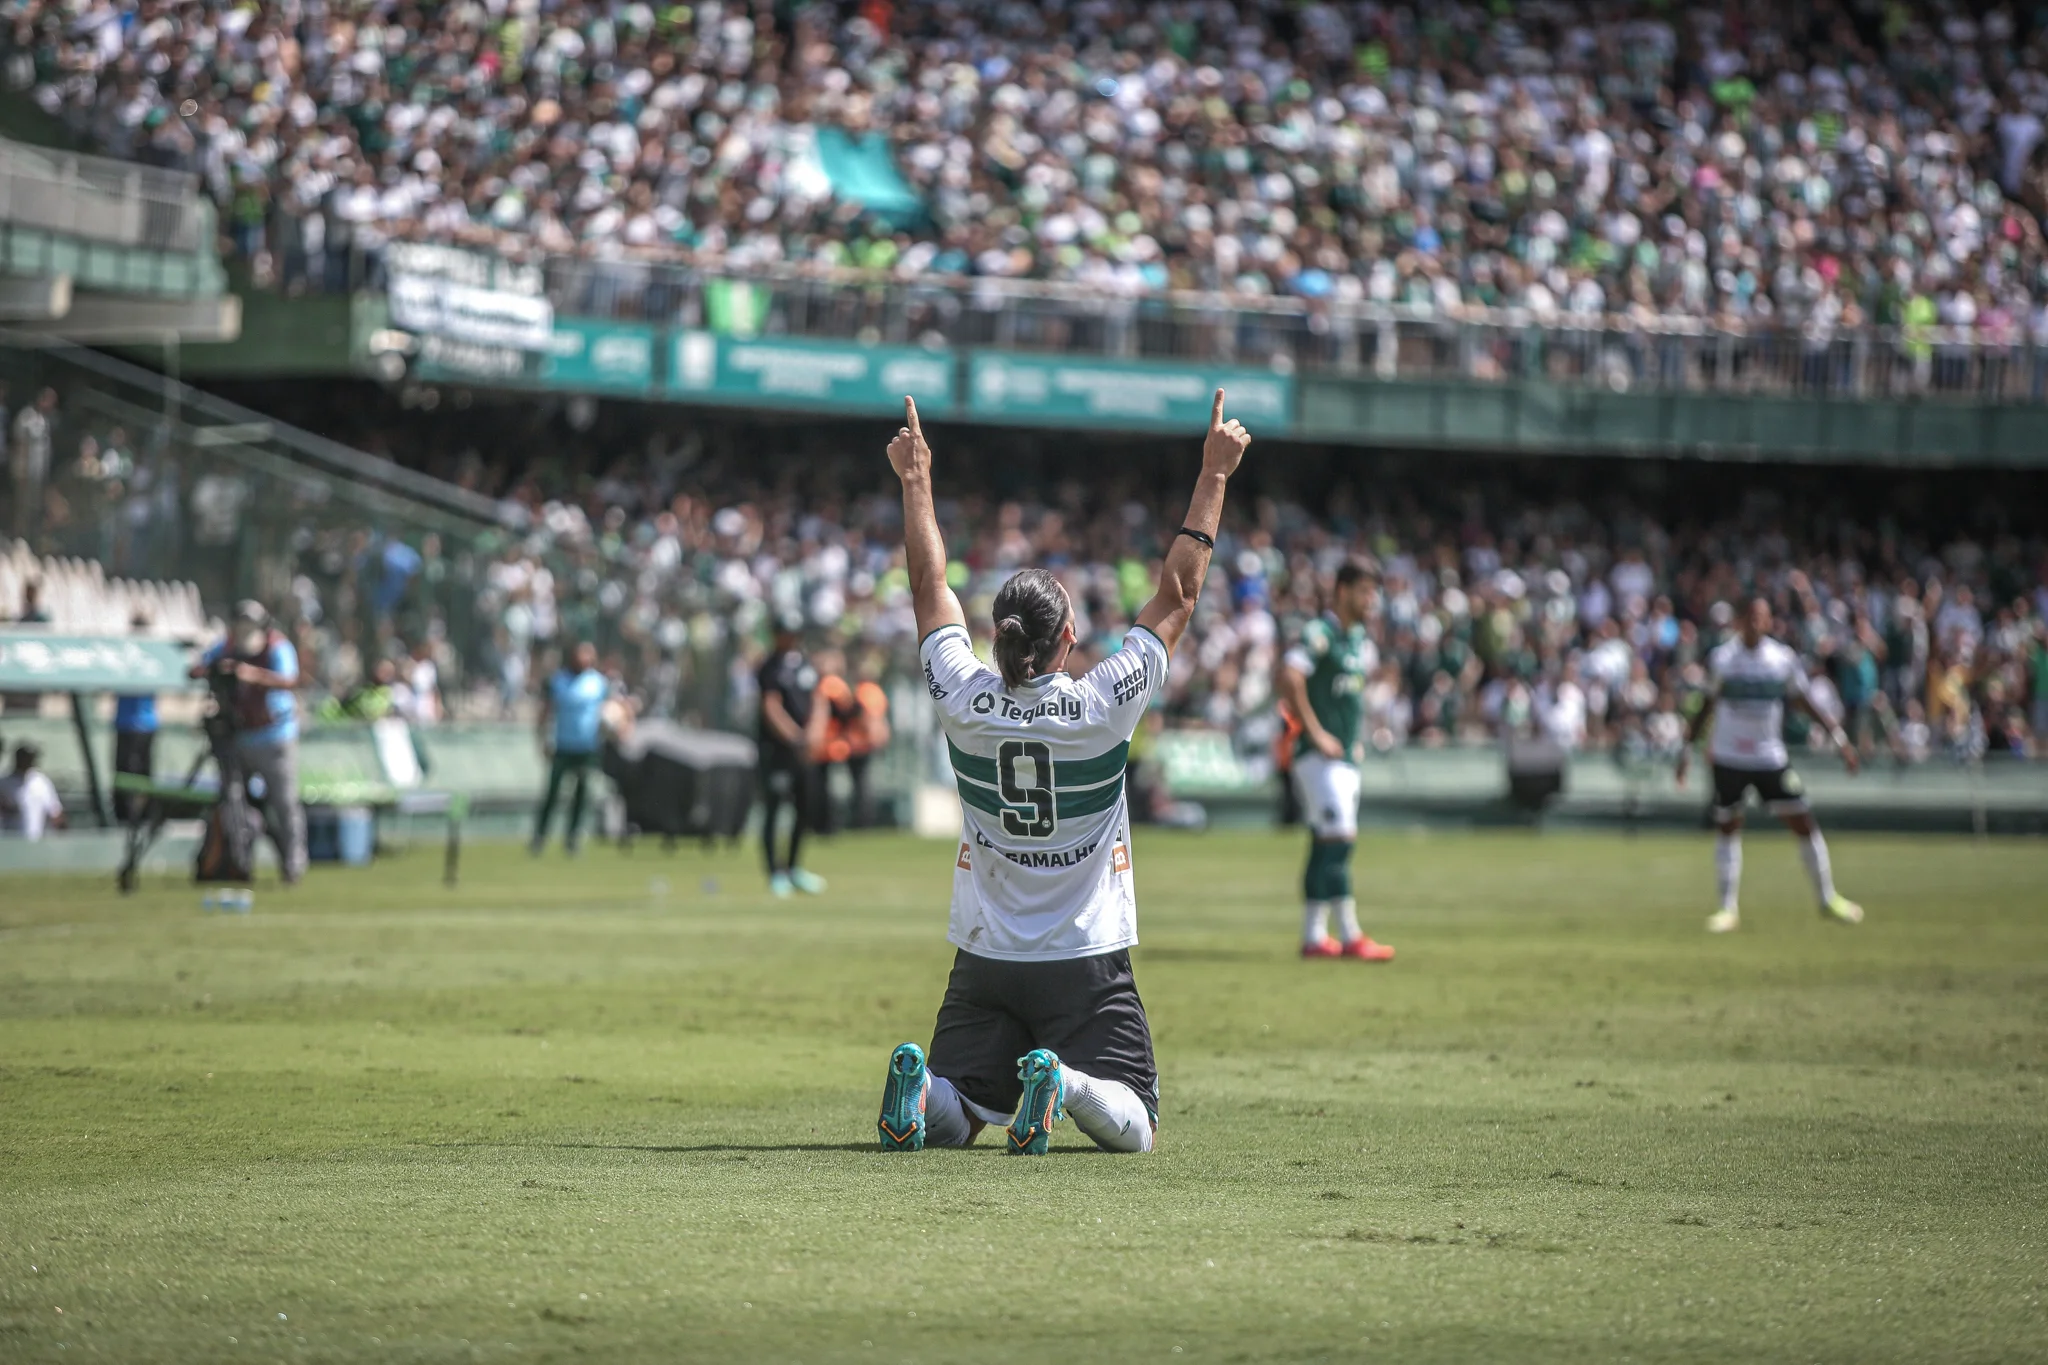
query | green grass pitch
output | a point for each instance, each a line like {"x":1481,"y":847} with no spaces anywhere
{"x":600,"y":1111}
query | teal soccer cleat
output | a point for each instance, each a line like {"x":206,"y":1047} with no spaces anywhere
{"x":1043,"y":1105}
{"x":901,"y":1126}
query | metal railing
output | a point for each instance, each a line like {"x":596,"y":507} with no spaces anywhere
{"x":1368,"y":340}
{"x":155,"y":480}
{"x":98,"y":199}
{"x":1619,"y":352}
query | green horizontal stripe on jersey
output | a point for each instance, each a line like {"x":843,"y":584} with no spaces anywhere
{"x":1080,"y":772}
{"x":1089,"y":772}
{"x":1094,"y":801}
{"x":980,"y":797}
{"x":1752,"y":689}
{"x":1067,"y":805}
{"x":967,"y":765}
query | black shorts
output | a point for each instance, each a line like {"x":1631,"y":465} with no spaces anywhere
{"x":783,"y":772}
{"x":1779,"y":789}
{"x":1086,"y":1009}
{"x":135,"y":755}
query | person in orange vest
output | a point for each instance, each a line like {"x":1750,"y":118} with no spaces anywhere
{"x":856,"y":728}
{"x":834,"y":745}
{"x":867,"y":734}
{"x":1283,"y":763}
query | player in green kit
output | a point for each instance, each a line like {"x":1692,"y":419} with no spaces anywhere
{"x":1322,"y":681}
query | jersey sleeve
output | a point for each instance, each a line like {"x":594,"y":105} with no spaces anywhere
{"x":1124,"y":684}
{"x":952,"y":673}
{"x":1313,"y":645}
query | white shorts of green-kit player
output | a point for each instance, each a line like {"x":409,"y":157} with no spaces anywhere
{"x":1328,"y":788}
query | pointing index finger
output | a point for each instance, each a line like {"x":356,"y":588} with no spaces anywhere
{"x":910,"y":416}
{"x":1216,"y":411}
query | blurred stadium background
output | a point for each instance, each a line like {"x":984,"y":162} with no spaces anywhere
{"x":456,"y":334}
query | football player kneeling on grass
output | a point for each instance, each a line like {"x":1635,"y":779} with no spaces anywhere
{"x":1041,"y":1019}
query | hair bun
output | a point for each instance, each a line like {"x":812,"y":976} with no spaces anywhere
{"x":1029,"y":612}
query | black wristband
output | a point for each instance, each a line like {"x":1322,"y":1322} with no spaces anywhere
{"x":1201,"y":536}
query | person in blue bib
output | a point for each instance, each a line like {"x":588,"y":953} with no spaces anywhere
{"x":134,"y":736}
{"x":571,"y":729}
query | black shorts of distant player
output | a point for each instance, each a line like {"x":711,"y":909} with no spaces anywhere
{"x":1779,"y":789}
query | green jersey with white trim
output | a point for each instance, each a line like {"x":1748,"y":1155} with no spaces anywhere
{"x":1336,"y":661}
{"x":1044,"y":868}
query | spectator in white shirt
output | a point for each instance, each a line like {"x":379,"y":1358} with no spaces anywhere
{"x":29,"y":460}
{"x":28,"y":799}
{"x":423,"y":685}
{"x":1959,"y":616}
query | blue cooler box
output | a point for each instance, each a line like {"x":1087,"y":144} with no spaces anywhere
{"x":340,"y":834}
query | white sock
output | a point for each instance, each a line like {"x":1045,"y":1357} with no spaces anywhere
{"x":1315,"y":922}
{"x":1108,"y":1111}
{"x":1347,"y":920}
{"x":1813,"y":851}
{"x":945,"y":1120}
{"x":1728,"y":867}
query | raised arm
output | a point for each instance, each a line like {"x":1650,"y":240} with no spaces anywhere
{"x":924,"y":549}
{"x":1187,"y":559}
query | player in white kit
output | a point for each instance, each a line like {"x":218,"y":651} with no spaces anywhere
{"x":1041,"y":1017}
{"x":1752,"y":679}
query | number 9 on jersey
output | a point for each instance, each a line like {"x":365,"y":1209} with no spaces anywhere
{"x":1024,"y":775}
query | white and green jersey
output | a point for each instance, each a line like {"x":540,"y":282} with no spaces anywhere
{"x":1044,"y":868}
{"x":1749,"y":688}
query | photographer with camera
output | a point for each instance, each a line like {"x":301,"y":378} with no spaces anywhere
{"x":252,"y":674}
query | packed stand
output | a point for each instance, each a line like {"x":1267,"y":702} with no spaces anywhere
{"x":1589,"y":625}
{"x":1813,"y":165}
{"x":1515,"y":596}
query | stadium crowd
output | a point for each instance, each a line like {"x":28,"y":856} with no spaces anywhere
{"x":1814,"y":165}
{"x":1587,"y":620}
{"x":1516,"y":596}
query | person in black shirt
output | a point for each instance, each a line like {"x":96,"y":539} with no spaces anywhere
{"x":790,"y":727}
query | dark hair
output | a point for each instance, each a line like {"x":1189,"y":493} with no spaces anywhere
{"x":1029,"y":612}
{"x":1353,"y":571}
